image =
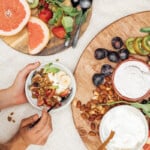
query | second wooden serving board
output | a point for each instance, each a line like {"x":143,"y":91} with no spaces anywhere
{"x":126,"y":27}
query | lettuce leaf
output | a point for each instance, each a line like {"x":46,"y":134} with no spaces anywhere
{"x":67,"y":23}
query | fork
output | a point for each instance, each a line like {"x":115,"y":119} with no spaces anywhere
{"x":85,"y":5}
{"x":62,"y":100}
{"x":34,"y":123}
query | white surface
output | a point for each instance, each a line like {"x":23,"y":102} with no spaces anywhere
{"x":64,"y":136}
{"x":131,"y":130}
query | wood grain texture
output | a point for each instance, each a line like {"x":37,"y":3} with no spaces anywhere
{"x":126,"y":27}
{"x":19,"y":41}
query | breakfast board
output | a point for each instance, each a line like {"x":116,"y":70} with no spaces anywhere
{"x":126,"y":27}
{"x":19,"y":41}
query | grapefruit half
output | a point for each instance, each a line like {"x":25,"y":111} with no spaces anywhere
{"x":14,"y":15}
{"x":38,"y":35}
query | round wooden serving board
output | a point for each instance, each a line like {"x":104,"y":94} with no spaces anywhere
{"x":19,"y":41}
{"x":126,"y":27}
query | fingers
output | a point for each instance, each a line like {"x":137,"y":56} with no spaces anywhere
{"x":40,"y":132}
{"x":43,"y":138}
{"x":27,"y":69}
{"x":27,"y":121}
{"x":42,"y":123}
{"x":46,"y":130}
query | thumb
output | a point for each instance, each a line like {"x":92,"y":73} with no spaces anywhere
{"x":29,"y":120}
{"x":27,"y":69}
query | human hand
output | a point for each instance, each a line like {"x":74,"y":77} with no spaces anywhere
{"x":18,"y":87}
{"x":37,"y":135}
{"x":15,"y":94}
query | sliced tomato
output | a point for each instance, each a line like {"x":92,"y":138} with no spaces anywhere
{"x":48,"y":102}
{"x":47,"y":92}
{"x":50,"y":93}
{"x":40,"y":101}
{"x":65,"y":93}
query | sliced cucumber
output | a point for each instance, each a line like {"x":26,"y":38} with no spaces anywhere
{"x":145,"y":29}
{"x":33,"y":3}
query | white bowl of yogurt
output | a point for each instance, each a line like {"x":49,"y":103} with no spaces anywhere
{"x":131,"y":80}
{"x":129,"y":125}
{"x":57,"y":81}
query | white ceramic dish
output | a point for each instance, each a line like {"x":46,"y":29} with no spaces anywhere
{"x":131,"y":85}
{"x":129,"y":125}
{"x":33,"y":101}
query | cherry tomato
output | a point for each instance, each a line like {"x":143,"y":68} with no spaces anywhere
{"x":65,"y":93}
{"x":40,"y":101}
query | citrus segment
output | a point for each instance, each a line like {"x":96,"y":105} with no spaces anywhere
{"x":38,"y":35}
{"x":33,"y":29}
{"x":14,"y":15}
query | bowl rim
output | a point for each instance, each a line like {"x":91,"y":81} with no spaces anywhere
{"x":137,"y":111}
{"x":113,"y":76}
{"x":61,"y":67}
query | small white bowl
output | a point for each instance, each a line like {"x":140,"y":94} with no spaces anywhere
{"x":130,"y":127}
{"x":120,"y":85}
{"x":33,"y":101}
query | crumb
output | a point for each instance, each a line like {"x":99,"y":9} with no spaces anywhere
{"x":57,"y":59}
{"x":11,"y":113}
{"x":9,"y":118}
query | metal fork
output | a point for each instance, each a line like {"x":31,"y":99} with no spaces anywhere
{"x":34,"y":123}
{"x":85,"y":5}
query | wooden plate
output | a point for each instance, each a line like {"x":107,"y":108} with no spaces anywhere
{"x":19,"y":41}
{"x":126,"y":27}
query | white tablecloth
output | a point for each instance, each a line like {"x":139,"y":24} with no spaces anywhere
{"x":64,"y":136}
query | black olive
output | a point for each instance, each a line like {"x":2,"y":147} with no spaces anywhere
{"x":100,"y":53}
{"x":98,"y":79}
{"x":106,"y":69}
{"x":123,"y":53}
{"x":117,"y":42}
{"x":75,"y":3}
{"x":113,"y":56}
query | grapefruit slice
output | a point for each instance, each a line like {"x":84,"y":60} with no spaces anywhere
{"x":14,"y":15}
{"x":38,"y":35}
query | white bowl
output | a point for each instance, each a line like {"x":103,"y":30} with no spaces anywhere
{"x":130,"y":127}
{"x":33,"y":101}
{"x":131,"y":85}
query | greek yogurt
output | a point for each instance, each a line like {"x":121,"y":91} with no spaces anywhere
{"x":129,"y":125}
{"x":130,"y":81}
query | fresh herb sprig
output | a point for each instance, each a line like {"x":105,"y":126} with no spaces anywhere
{"x":66,"y":14}
{"x":49,"y":68}
{"x":144,"y":107}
